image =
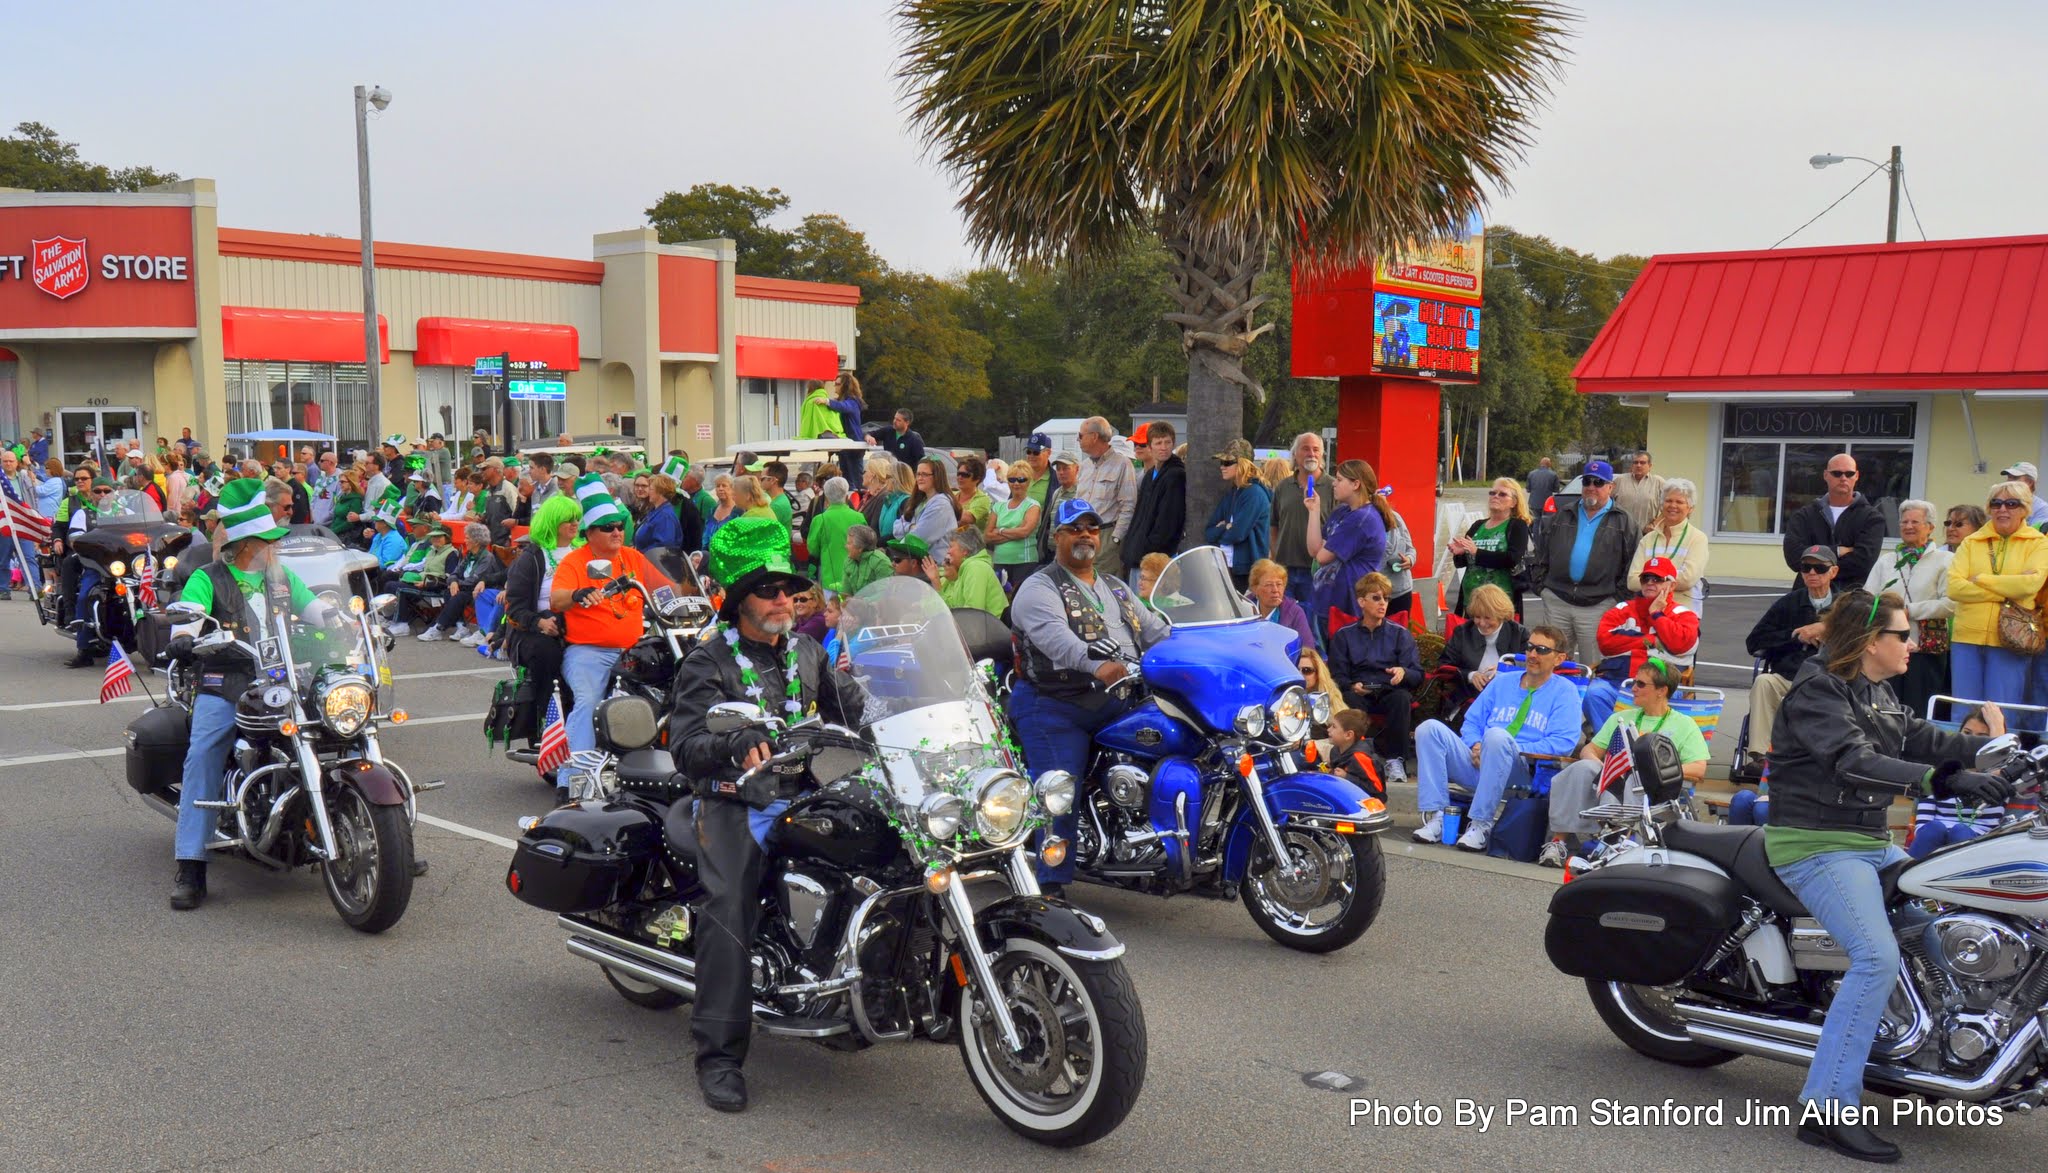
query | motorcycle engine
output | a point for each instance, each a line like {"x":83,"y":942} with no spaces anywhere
{"x":1977,"y":961}
{"x":1128,"y":786}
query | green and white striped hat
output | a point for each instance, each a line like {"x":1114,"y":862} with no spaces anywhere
{"x":600,"y":508}
{"x":588,"y":486}
{"x":246,"y":514}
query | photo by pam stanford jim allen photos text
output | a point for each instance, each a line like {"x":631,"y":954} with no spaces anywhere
{"x":1604,"y":1112}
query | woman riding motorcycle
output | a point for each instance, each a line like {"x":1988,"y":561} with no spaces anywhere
{"x":1845,"y":749}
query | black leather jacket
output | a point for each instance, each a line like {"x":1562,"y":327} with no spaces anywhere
{"x":710,"y":675}
{"x":1844,"y":749}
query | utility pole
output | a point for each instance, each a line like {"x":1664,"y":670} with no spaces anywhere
{"x":1891,"y":219}
{"x":373,"y":374}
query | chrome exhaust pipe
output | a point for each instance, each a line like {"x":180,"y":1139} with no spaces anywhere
{"x":653,"y":975}
{"x":677,"y":975}
{"x":1794,"y":1042}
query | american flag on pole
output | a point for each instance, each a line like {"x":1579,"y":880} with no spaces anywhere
{"x":554,"y":740}
{"x":1615,"y":768}
{"x":120,"y":677}
{"x":145,"y":585}
{"x":18,"y":518}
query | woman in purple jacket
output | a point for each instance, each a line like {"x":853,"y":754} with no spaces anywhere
{"x":1269,"y":592}
{"x":1347,"y":543}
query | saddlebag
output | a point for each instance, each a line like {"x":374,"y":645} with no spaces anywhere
{"x":584,"y":856}
{"x":1640,"y":924}
{"x":156,"y":749}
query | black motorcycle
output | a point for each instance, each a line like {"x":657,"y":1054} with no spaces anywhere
{"x":868,"y":934}
{"x":125,"y":540}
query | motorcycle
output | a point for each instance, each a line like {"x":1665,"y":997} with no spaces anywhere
{"x":1694,"y":952}
{"x":307,"y":781}
{"x":1197,"y":788}
{"x":867,"y":933}
{"x":125,"y":540}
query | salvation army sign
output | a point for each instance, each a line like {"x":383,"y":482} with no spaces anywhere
{"x":66,"y":272}
{"x":57,"y":265}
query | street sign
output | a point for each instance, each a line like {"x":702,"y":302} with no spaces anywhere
{"x":540,"y":390}
{"x":491,"y":366}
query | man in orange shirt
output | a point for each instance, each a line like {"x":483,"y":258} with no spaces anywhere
{"x":599,"y":625}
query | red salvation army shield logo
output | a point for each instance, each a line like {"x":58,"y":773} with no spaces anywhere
{"x":58,"y":265}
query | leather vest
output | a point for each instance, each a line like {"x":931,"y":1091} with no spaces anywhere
{"x":231,"y":607}
{"x":1087,"y":624}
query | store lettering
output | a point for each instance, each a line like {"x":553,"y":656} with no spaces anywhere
{"x":62,"y":266}
{"x":142,"y":268}
{"x":1890,"y":421}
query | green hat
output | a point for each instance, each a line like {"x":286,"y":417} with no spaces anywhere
{"x":676,"y":468}
{"x":103,"y":482}
{"x":599,"y":508}
{"x":395,"y":439}
{"x":590,"y":485}
{"x":246,"y":514}
{"x":758,"y":465}
{"x":746,"y":551}
{"x":439,"y":531}
{"x":909,"y":546}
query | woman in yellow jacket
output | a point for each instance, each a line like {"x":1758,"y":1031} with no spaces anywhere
{"x":2006,"y":560}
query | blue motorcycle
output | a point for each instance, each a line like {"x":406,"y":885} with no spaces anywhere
{"x":1199,"y":787}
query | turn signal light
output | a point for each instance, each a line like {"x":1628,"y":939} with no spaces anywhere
{"x":400,"y":716}
{"x":1053,"y":852}
{"x":121,"y":589}
{"x":938,"y":880}
{"x":1245,"y":766}
{"x":1373,"y":806}
{"x":1308,"y":753}
{"x":288,"y":727}
{"x":1347,"y":828}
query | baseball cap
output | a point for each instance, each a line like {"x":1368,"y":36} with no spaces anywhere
{"x":2023,"y":468}
{"x":1072,"y":510}
{"x":1239,"y":449}
{"x":1066,"y":456}
{"x":1661,"y":567}
{"x":1038,"y":443}
{"x":1824,"y":555}
{"x":1598,"y":472}
{"x":1141,"y":434}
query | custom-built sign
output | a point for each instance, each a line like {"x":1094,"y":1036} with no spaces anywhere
{"x":95,"y":265}
{"x":1818,"y":421}
{"x":1450,"y":269}
{"x":1424,"y":338}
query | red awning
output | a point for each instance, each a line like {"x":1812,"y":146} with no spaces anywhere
{"x":785,"y":358}
{"x":304,"y":335}
{"x":1933,"y":315}
{"x":459,"y":342}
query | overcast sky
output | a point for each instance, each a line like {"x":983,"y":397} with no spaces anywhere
{"x":1677,"y":125}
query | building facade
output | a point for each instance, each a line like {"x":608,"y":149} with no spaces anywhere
{"x":133,"y":315}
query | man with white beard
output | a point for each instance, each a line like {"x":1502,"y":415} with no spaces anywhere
{"x":1078,"y":631}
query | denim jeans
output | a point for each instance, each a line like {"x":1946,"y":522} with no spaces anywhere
{"x":213,"y":730}
{"x":1442,"y":758}
{"x":1057,"y":734}
{"x":1932,"y":836}
{"x":1749,"y":809}
{"x":1842,"y":891}
{"x":28,"y":565}
{"x":1980,"y":672}
{"x":585,"y":667}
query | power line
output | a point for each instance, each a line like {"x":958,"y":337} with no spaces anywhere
{"x":1831,"y":207}
{"x":1905,"y":187}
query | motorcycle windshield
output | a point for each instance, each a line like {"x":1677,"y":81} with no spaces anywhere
{"x":337,"y":637}
{"x":128,"y":506}
{"x":927,"y":710}
{"x":1196,"y":588}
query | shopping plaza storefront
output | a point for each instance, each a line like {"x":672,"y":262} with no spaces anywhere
{"x":133,"y":315}
{"x":1927,"y":362}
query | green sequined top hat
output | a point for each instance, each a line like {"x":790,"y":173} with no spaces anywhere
{"x":246,"y":514}
{"x":746,"y":551}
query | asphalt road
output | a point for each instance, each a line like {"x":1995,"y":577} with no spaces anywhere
{"x":259,"y":1033}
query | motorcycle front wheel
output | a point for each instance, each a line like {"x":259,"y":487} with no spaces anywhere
{"x":370,"y":879}
{"x":1641,"y":1016}
{"x":1333,"y":897}
{"x":1083,"y":1060}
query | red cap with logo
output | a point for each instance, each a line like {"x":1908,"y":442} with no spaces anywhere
{"x":1661,"y":567}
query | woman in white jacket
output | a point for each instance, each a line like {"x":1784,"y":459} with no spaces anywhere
{"x":1918,"y":570}
{"x":1672,"y":534}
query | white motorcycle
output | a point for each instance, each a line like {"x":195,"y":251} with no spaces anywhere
{"x":1695,"y":952}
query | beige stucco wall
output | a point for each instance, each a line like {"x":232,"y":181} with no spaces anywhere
{"x":404,"y":296}
{"x":690,"y":392}
{"x":761,"y":318}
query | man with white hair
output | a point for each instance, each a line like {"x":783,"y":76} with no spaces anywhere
{"x":1109,"y":482}
{"x":1289,"y":537}
{"x":827,"y":536}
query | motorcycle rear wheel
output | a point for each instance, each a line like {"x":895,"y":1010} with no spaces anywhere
{"x":642,"y":994}
{"x":1081,"y":1094}
{"x":370,"y":881}
{"x":1347,"y":870}
{"x":1636,"y":1016}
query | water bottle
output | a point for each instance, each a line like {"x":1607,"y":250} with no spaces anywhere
{"x":1452,"y":820}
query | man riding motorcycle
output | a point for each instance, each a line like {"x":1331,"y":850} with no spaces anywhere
{"x":88,"y":578}
{"x":754,"y":657}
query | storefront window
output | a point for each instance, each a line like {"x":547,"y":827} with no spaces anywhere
{"x":770,"y":408}
{"x":318,"y":397}
{"x":10,"y":416}
{"x":1774,"y":456}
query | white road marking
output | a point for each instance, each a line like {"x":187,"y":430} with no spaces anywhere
{"x":133,"y":699}
{"x":472,"y":832}
{"x":75,"y":754}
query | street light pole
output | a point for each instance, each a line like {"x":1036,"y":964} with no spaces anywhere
{"x":1891,"y":219}
{"x":372,"y":372}
{"x":1896,"y":169}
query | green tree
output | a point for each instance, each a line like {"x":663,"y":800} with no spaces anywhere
{"x":1228,"y":128}
{"x":33,"y":157}
{"x":739,"y":214}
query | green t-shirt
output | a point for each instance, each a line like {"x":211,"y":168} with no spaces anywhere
{"x":199,"y":588}
{"x":1692,"y":746}
{"x":783,"y":511}
{"x":1493,"y":540}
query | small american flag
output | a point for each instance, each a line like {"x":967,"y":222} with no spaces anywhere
{"x":554,"y":740}
{"x":1614,"y":770}
{"x":18,"y":518}
{"x":120,"y":677}
{"x":145,"y":585}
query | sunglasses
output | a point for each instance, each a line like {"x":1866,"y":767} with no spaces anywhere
{"x":1810,"y":568}
{"x":1081,"y":527}
{"x":1228,"y":462}
{"x":1652,"y":579}
{"x":1018,"y":480}
{"x":1905,"y":634}
{"x":1954,"y":523}
{"x":608,"y":528}
{"x":2005,"y":503}
{"x":772,"y":590}
{"x":1842,"y":473}
{"x":1540,"y":650}
{"x":1498,"y":493}
{"x":101,"y":492}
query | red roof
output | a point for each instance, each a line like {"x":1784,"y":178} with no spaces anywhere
{"x":1933,"y":315}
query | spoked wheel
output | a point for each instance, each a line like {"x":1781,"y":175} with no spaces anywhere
{"x":1331,"y":899}
{"x":1642,"y":1017}
{"x":370,"y":880}
{"x":1083,"y":1060}
{"x":644,"y":994}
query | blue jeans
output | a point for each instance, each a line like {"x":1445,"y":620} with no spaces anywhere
{"x":1057,"y":734}
{"x":1931,"y":837}
{"x":585,"y":667}
{"x":1442,"y":757}
{"x":1749,"y":809}
{"x":1842,"y":891}
{"x":1599,"y":701}
{"x":1301,"y":582}
{"x":213,"y":730}
{"x":28,"y":565}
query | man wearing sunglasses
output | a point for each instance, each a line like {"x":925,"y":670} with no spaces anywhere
{"x":1654,"y":623}
{"x":1841,"y":520}
{"x":1785,"y":638}
{"x":748,"y":661}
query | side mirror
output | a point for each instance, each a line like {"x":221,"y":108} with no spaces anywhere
{"x":1995,"y":751}
{"x":599,"y":569}
{"x":733,"y":716}
{"x":182,"y":612}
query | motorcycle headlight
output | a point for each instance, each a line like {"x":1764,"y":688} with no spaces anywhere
{"x":118,"y":567}
{"x":1291,"y":715}
{"x":1002,"y":800}
{"x":170,"y":562}
{"x":1319,"y":707}
{"x":1056,"y":791}
{"x":1251,"y":720}
{"x":346,"y":705}
{"x":940,"y":815}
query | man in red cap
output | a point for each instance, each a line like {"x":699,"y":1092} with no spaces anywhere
{"x":1651,"y":624}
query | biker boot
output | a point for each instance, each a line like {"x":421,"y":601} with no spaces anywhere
{"x":723,"y":1085}
{"x":1851,"y":1139}
{"x":190,"y":887}
{"x":81,"y":660}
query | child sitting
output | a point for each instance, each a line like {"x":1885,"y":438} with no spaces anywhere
{"x":1942,"y":822}
{"x":1350,"y":756}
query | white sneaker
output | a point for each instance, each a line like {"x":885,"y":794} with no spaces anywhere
{"x":1397,"y":770}
{"x":432,"y":635}
{"x":1475,"y":837}
{"x":1552,"y":855}
{"x":461,"y":630}
{"x":399,"y":629}
{"x":472,"y":639}
{"x":1432,"y":828}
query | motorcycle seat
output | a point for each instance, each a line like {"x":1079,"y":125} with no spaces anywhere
{"x":1739,"y":851}
{"x":679,"y":830}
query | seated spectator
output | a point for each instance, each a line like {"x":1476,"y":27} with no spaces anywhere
{"x":809,"y":610}
{"x":389,"y":544}
{"x":1576,"y":787}
{"x":865,"y":562}
{"x":423,"y":585}
{"x":1149,"y":569}
{"x":910,"y":557}
{"x":1784,"y":639}
{"x":1942,"y":822}
{"x":1654,"y":623}
{"x":1531,"y":711}
{"x":1349,"y":759}
{"x":968,"y":577}
{"x":478,"y":569}
{"x":2006,"y":561}
{"x":1269,"y":592}
{"x":1378,"y":670}
{"x":1475,"y":648}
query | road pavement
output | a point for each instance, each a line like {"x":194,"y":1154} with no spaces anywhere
{"x":260,"y":1033}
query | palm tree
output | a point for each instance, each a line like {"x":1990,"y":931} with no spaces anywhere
{"x":1234,"y":129}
